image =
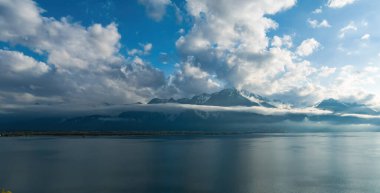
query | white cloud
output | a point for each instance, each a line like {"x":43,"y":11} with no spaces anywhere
{"x":315,"y":24}
{"x":181,"y":31}
{"x":13,"y":63}
{"x":318,"y":10}
{"x":231,"y":44}
{"x":228,"y":46}
{"x":285,"y":41}
{"x":18,"y":19}
{"x":156,"y":9}
{"x":365,"y":37}
{"x":194,"y":71}
{"x":86,"y":64}
{"x":66,"y":44}
{"x":190,"y":79}
{"x":145,"y":50}
{"x":307,"y":47}
{"x":73,"y":46}
{"x":226,"y":23}
{"x":255,"y":109}
{"x":350,"y":84}
{"x":339,"y":3}
{"x":142,"y":75}
{"x":23,"y":77}
{"x":148,"y":47}
{"x":326,"y":71}
{"x":350,"y":27}
{"x":134,"y":52}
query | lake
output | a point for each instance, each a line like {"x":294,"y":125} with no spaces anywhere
{"x":283,"y":163}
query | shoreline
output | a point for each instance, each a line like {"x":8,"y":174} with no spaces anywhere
{"x":154,"y":133}
{"x":128,"y":133}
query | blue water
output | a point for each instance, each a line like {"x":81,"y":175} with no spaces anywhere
{"x":283,"y":163}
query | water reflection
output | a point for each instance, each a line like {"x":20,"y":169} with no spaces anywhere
{"x":260,"y":163}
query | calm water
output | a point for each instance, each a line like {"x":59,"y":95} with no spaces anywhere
{"x":262,"y":163}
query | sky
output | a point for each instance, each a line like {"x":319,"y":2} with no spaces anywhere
{"x":90,"y":52}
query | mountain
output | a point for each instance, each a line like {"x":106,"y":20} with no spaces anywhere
{"x":343,"y":107}
{"x":141,"y":119}
{"x":225,"y":97}
{"x":159,"y":101}
{"x":229,"y":97}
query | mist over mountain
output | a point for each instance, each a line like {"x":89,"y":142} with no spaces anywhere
{"x":229,"y":110}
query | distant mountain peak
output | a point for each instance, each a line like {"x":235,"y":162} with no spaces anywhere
{"x":344,"y":107}
{"x":225,"y":97}
{"x":229,"y":91}
{"x":331,"y":104}
{"x":229,"y":97}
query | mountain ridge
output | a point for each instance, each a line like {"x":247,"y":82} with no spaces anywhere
{"x":226,"y":97}
{"x":206,"y":113}
{"x":233,"y":97}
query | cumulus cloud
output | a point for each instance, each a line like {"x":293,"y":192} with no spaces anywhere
{"x":189,"y":79}
{"x":247,"y":26}
{"x":19,"y":19}
{"x":350,"y":81}
{"x":73,"y":46}
{"x":307,"y":47}
{"x":26,"y":80}
{"x":227,"y":46}
{"x":13,"y":63}
{"x":142,"y":75}
{"x":286,"y":41}
{"x":83,"y":64}
{"x":339,"y":3}
{"x":231,"y":44}
{"x":86,"y":65}
{"x":22,"y":76}
{"x":155,"y":9}
{"x":66,"y":44}
{"x":316,"y":24}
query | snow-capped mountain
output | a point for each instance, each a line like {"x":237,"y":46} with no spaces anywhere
{"x":225,"y":97}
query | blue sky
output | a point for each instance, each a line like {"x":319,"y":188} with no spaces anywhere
{"x":114,"y":51}
{"x":133,"y":23}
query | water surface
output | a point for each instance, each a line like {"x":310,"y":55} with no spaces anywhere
{"x":283,"y":163}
